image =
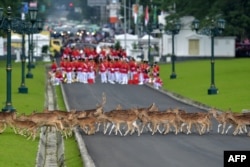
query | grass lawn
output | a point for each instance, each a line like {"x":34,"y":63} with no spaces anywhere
{"x":15,"y":149}
{"x":232,"y":78}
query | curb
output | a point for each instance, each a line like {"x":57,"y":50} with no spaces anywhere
{"x":87,"y":160}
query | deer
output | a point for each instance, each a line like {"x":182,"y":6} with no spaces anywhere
{"x":222,"y":120}
{"x":5,"y":117}
{"x":45,"y":119}
{"x":143,"y":119}
{"x":23,"y":127}
{"x":193,"y":118}
{"x":118,"y":117}
{"x":241,"y":120}
{"x":87,"y":124}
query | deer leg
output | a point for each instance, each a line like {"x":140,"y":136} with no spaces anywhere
{"x":189,"y":128}
{"x":111,"y":128}
{"x":218,"y":130}
{"x":137,"y":127}
{"x":229,"y":127}
{"x":127,"y":131}
{"x":236,"y":130}
{"x":224,"y":126}
{"x":154,"y":128}
{"x":118,"y":129}
{"x":106,"y":126}
{"x":150,"y":129}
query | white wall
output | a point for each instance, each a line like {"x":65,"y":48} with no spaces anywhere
{"x":223,"y":46}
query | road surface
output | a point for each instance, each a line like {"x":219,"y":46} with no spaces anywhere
{"x":146,"y":150}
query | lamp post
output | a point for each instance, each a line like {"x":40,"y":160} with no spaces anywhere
{"x":214,"y":29}
{"x":22,"y":27}
{"x":150,"y":28}
{"x":33,"y":17}
{"x":6,"y":26}
{"x":173,"y":29}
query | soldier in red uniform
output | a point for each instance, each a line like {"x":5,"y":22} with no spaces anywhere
{"x":132,"y":68}
{"x":103,"y":71}
{"x":53,"y":66}
{"x":157,"y":82}
{"x":156,"y":69}
{"x":91,"y":71}
{"x":117,"y":66}
{"x":66,"y":52}
{"x":68,"y":69}
{"x":58,"y":77}
{"x":102,"y":54}
{"x":111,"y":71}
{"x":78,"y":70}
{"x":124,"y":72}
{"x":84,"y":71}
{"x":75,"y":54}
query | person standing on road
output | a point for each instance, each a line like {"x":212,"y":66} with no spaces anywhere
{"x":103,"y":71}
{"x":156,"y":69}
{"x":68,"y":69}
{"x":157,"y":82}
{"x":91,"y":71}
{"x":111,"y":72}
{"x":53,"y":66}
{"x":124,"y":71}
{"x":132,"y":68}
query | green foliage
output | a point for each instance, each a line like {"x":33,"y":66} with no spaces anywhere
{"x":117,"y":45}
{"x":45,"y":48}
{"x":193,"y":81}
{"x":236,"y":13}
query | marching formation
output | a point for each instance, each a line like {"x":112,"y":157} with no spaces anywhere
{"x":111,"y":67}
{"x":125,"y":121}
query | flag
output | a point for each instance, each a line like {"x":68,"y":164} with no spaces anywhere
{"x":135,"y":12}
{"x":146,"y":16}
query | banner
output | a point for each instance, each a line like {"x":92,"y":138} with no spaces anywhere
{"x":135,"y":12}
{"x":146,"y":16}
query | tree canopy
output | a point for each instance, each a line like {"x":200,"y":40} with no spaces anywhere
{"x":235,"y":13}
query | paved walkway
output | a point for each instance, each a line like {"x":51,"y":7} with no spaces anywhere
{"x":51,"y":148}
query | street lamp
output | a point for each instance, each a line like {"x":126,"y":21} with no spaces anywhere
{"x":21,"y":27}
{"x":33,"y":19}
{"x":5,"y":24}
{"x":150,"y":28}
{"x":214,"y":29}
{"x":173,"y":29}
{"x":32,"y":29}
{"x":8,"y":24}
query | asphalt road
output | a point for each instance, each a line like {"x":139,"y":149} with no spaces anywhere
{"x":146,"y":150}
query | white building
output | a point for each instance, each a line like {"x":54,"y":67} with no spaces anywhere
{"x":39,"y":40}
{"x":190,"y":44}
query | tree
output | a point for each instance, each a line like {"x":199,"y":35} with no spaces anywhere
{"x":236,"y":13}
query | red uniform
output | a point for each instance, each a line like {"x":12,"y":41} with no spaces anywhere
{"x":68,"y":67}
{"x":53,"y":67}
{"x":156,"y":70}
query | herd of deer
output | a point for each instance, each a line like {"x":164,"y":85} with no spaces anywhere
{"x":128,"y":120}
